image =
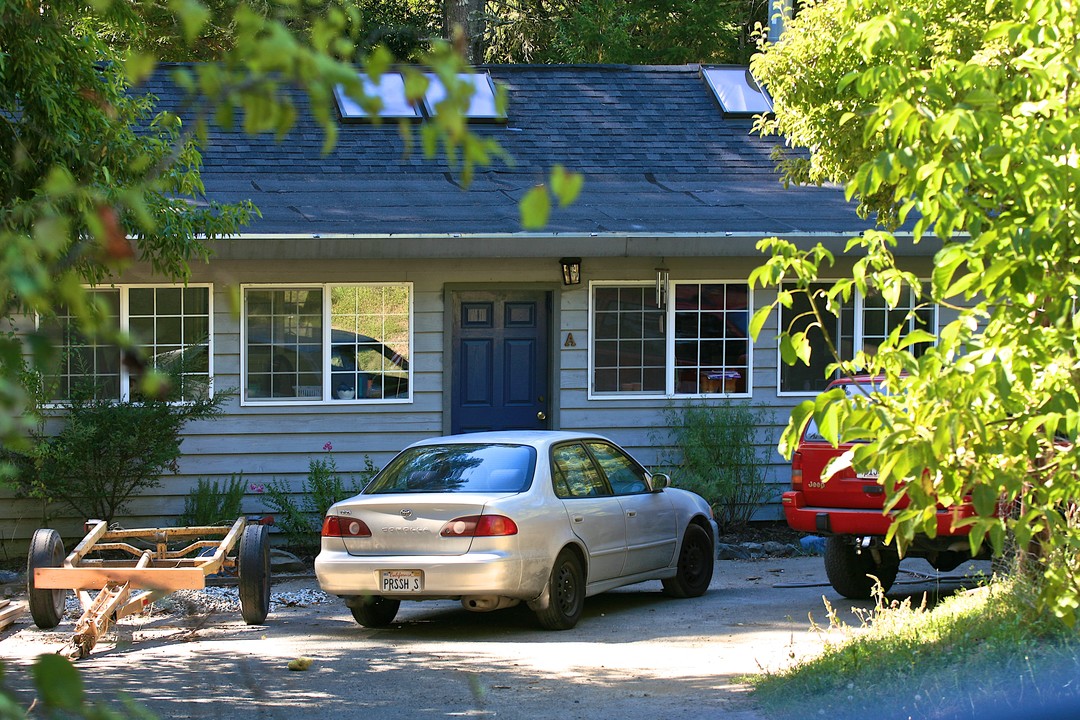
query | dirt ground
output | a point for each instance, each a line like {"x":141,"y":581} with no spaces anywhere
{"x":635,"y":655}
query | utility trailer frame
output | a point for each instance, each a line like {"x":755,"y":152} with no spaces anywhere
{"x":156,"y":572}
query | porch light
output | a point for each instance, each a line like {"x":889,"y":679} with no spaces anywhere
{"x":571,"y":270}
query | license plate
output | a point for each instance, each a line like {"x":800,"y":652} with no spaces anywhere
{"x":402,"y":581}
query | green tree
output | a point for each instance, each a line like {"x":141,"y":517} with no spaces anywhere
{"x":963,"y":120}
{"x":622,"y":31}
{"x":94,"y":175}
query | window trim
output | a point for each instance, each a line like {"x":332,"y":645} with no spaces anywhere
{"x":669,"y":342}
{"x":124,"y":313}
{"x":857,"y":335}
{"x":325,"y":400}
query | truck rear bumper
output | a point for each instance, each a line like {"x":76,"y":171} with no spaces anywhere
{"x":845,"y":521}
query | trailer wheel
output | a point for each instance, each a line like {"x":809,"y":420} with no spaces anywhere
{"x":254,"y":570}
{"x":46,"y":551}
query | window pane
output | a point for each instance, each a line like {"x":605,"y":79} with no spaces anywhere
{"x":159,"y":323}
{"x":575,"y":474}
{"x":628,"y":337}
{"x":369,"y":351}
{"x":840,"y":330}
{"x":623,"y":474}
{"x":712,"y":350}
{"x":86,"y":361}
{"x":284,"y":344}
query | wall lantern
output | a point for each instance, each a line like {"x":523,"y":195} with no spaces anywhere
{"x":571,"y":270}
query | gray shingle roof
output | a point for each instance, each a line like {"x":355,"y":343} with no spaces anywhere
{"x":658,"y":156}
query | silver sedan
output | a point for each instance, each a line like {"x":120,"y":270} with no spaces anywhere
{"x":496,"y":519}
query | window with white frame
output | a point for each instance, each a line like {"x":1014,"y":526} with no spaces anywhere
{"x":862,"y":323}
{"x":707,"y":350}
{"x":327,"y":343}
{"x":169,"y":325}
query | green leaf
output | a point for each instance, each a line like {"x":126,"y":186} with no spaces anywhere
{"x":757,"y":322}
{"x":566,"y":186}
{"x":985,"y":499}
{"x":535,"y":208}
{"x":58,"y":683}
{"x":192,"y":15}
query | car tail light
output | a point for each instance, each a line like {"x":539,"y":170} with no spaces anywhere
{"x":479,"y":526}
{"x":796,"y":471}
{"x":337,"y":526}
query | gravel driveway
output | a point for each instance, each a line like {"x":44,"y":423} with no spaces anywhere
{"x":635,"y":655}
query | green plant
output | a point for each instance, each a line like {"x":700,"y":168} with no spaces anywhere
{"x":107,"y":452}
{"x":300,"y":518}
{"x":712,"y":453}
{"x":208,"y":504}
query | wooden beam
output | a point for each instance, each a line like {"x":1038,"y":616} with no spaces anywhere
{"x":78,"y":578}
{"x":10,"y":612}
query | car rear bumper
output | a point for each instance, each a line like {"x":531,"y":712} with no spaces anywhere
{"x":489,"y":573}
{"x":846,"y":521}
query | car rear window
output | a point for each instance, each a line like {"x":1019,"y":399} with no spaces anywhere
{"x":457,"y":469}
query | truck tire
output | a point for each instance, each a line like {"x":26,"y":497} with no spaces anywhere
{"x":254,"y":570}
{"x":850,"y":572}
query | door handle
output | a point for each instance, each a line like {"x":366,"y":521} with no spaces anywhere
{"x":579,"y":518}
{"x":541,"y":415}
{"x":631,"y":513}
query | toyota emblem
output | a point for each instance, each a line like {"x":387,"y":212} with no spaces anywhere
{"x":406,"y":513}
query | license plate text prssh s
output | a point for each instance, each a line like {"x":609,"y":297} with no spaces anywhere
{"x":402,"y":581}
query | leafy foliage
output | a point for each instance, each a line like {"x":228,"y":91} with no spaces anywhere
{"x":300,"y":518}
{"x":209,"y":504}
{"x":61,"y":694}
{"x":108,"y":452}
{"x":961,"y":120}
{"x":622,"y":31}
{"x":714,"y":454}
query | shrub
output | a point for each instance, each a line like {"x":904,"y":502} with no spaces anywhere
{"x":107,"y":452}
{"x":712,"y":453}
{"x":208,"y":504}
{"x":300,"y":518}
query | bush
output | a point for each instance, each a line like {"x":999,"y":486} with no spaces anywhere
{"x":712,"y":453}
{"x":301,"y":518}
{"x":108,"y":452}
{"x":207,"y":504}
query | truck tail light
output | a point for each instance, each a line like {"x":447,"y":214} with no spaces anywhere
{"x":796,"y":471}
{"x":479,"y":526}
{"x":346,"y":527}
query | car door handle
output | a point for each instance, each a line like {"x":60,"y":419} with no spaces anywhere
{"x":631,"y":513}
{"x":579,"y":518}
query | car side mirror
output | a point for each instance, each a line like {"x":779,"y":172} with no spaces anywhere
{"x":660,"y":481}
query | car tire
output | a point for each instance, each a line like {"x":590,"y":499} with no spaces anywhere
{"x":373,"y":611}
{"x":253,"y":566}
{"x":46,"y":551}
{"x":696,"y":563}
{"x":850,"y":572}
{"x":566,"y":593}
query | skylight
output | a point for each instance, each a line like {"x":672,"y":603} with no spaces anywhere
{"x":736,"y":90}
{"x":482,"y":104}
{"x":390,"y":90}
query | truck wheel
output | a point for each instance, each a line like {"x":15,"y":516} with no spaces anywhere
{"x":46,"y":551}
{"x":695,"y":565}
{"x":373,"y":611}
{"x":849,"y":571}
{"x":253,"y":566}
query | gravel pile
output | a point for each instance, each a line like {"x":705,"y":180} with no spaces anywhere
{"x":224,"y":600}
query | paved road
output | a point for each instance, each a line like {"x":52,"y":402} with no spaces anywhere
{"x":635,"y":655}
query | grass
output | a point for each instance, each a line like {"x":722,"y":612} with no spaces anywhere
{"x":984,"y":653}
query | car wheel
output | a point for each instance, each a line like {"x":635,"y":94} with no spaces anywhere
{"x":566,"y":593}
{"x":46,"y":551}
{"x":253,"y":566}
{"x":695,"y":565}
{"x":373,"y":611}
{"x":849,"y":571}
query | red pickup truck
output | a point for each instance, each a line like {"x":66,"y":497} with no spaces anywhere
{"x":847,"y":509}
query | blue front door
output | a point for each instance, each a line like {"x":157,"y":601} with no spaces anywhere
{"x":500,"y":360}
